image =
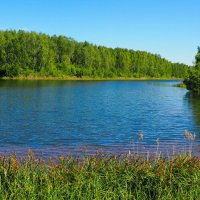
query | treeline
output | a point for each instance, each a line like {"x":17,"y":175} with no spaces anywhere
{"x":29,"y":53}
{"x":192,"y":82}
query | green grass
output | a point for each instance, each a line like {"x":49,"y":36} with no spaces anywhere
{"x":181,"y":85}
{"x":99,"y":177}
{"x":83,"y":78}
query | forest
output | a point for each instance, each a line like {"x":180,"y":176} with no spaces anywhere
{"x":37,"y":54}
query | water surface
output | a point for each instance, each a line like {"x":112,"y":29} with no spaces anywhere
{"x":66,"y":116}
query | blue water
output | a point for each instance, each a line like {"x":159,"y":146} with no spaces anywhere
{"x":64,"y":116}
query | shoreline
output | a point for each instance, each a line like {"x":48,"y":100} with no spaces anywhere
{"x":72,"y":78}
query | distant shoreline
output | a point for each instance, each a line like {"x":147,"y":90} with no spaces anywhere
{"x":72,"y":78}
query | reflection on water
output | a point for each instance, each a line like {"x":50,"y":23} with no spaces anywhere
{"x":63,"y":116}
{"x":194,"y":102}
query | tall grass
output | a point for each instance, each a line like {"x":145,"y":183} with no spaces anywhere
{"x":100,"y":177}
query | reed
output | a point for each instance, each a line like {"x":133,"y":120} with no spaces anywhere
{"x":103,"y":176}
{"x":99,"y":176}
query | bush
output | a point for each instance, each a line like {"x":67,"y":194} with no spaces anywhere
{"x":10,"y":70}
{"x":193,"y":81}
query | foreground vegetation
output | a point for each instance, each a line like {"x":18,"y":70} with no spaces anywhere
{"x":100,"y":177}
{"x":192,"y":82}
{"x":28,"y":54}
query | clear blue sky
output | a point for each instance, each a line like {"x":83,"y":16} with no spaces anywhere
{"x":170,"y":28}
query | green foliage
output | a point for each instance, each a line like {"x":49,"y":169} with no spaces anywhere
{"x":192,"y":82}
{"x":180,"y":85}
{"x":61,"y":56}
{"x":10,"y":70}
{"x":198,"y":59}
{"x":99,"y":177}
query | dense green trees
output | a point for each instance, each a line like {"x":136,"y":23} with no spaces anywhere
{"x":193,"y":80}
{"x":29,"y":53}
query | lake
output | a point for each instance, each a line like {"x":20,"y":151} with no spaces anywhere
{"x":58,"y":117}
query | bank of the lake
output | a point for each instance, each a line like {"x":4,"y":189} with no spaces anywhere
{"x":181,"y":85}
{"x":74,"y":78}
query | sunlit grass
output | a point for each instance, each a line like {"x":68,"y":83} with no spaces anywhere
{"x":100,"y":177}
{"x":181,"y":85}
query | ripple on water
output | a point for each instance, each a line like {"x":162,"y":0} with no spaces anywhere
{"x":57,"y":117}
